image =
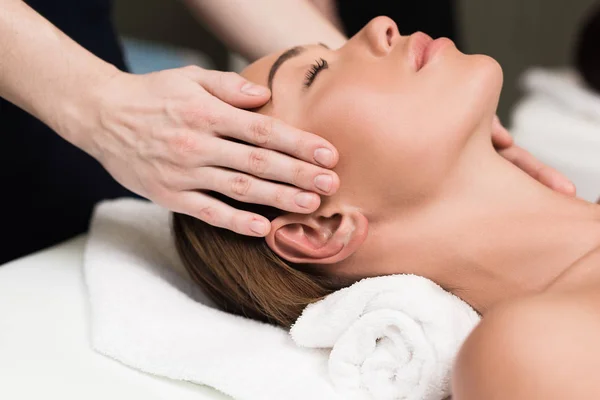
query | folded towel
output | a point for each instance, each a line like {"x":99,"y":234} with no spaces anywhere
{"x":149,"y":317}
{"x":392,"y":337}
{"x":146,"y":314}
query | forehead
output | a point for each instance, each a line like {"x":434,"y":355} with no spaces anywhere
{"x":258,"y":71}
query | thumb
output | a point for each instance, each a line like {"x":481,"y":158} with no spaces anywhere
{"x":232,"y":88}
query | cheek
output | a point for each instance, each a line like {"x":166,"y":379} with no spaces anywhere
{"x":399,"y":135}
{"x":385,"y":138}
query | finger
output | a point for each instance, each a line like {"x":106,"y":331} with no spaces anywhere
{"x":500,"y":135}
{"x":246,"y":188}
{"x":267,"y":132}
{"x":274,"y":166}
{"x":539,"y":171}
{"x":216,"y":213}
{"x":229,"y":87}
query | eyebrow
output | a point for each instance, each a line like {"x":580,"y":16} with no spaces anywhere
{"x":289,"y":54}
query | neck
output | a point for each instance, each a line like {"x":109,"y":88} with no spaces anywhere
{"x":491,"y":233}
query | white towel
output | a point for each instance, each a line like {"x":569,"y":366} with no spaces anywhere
{"x":145,"y":315}
{"x":149,"y":317}
{"x":566,"y":88}
{"x":558,"y":121}
{"x":393,"y":337}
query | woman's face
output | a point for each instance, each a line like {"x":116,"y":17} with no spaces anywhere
{"x":399,"y":109}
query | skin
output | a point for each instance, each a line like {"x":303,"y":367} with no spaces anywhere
{"x":264,"y":30}
{"x":456,"y":212}
{"x":329,"y":9}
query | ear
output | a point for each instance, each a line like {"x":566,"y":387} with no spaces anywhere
{"x":317,"y":239}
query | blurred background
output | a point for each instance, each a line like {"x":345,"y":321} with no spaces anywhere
{"x":518,"y":33}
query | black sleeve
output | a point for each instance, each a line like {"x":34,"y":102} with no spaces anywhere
{"x":50,"y":187}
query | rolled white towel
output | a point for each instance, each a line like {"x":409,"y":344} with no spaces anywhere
{"x":392,"y":337}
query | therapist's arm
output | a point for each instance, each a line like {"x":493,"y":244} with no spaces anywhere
{"x":166,"y":135}
{"x":259,"y":27}
{"x":41,"y":70}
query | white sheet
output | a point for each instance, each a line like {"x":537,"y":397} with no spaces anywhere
{"x":44,"y":340}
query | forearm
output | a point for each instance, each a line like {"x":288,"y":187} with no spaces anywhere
{"x":259,"y":27}
{"x":41,"y":69}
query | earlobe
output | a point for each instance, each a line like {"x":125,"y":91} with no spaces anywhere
{"x":313,"y":239}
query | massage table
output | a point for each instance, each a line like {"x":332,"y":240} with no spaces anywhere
{"x":44,"y":342}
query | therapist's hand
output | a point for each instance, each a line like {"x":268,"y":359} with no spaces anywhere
{"x":546,"y":175}
{"x":175,"y":135}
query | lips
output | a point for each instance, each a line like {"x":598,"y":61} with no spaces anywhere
{"x":419,"y":42}
{"x":423,"y":48}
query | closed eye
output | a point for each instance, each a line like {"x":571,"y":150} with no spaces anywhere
{"x":314,"y":70}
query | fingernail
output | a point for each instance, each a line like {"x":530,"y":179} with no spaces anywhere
{"x":570,"y":188}
{"x":304,"y":199}
{"x":258,"y":227}
{"x":324,"y":182}
{"x":324,"y":157}
{"x":253,"y":90}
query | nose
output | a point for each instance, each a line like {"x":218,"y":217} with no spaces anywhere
{"x":381,"y":34}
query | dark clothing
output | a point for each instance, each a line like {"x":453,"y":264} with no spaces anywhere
{"x":434,"y":17}
{"x":49,"y":187}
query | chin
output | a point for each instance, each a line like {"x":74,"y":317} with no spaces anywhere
{"x":491,"y":74}
{"x":484,"y":85}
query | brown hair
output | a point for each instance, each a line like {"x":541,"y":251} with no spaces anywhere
{"x":242,"y":275}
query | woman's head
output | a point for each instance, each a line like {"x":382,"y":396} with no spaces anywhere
{"x":388,"y":103}
{"x":401,"y":111}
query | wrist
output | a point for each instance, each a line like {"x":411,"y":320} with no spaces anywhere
{"x":76,"y":111}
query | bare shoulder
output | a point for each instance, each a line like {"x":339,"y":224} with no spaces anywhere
{"x":512,"y":353}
